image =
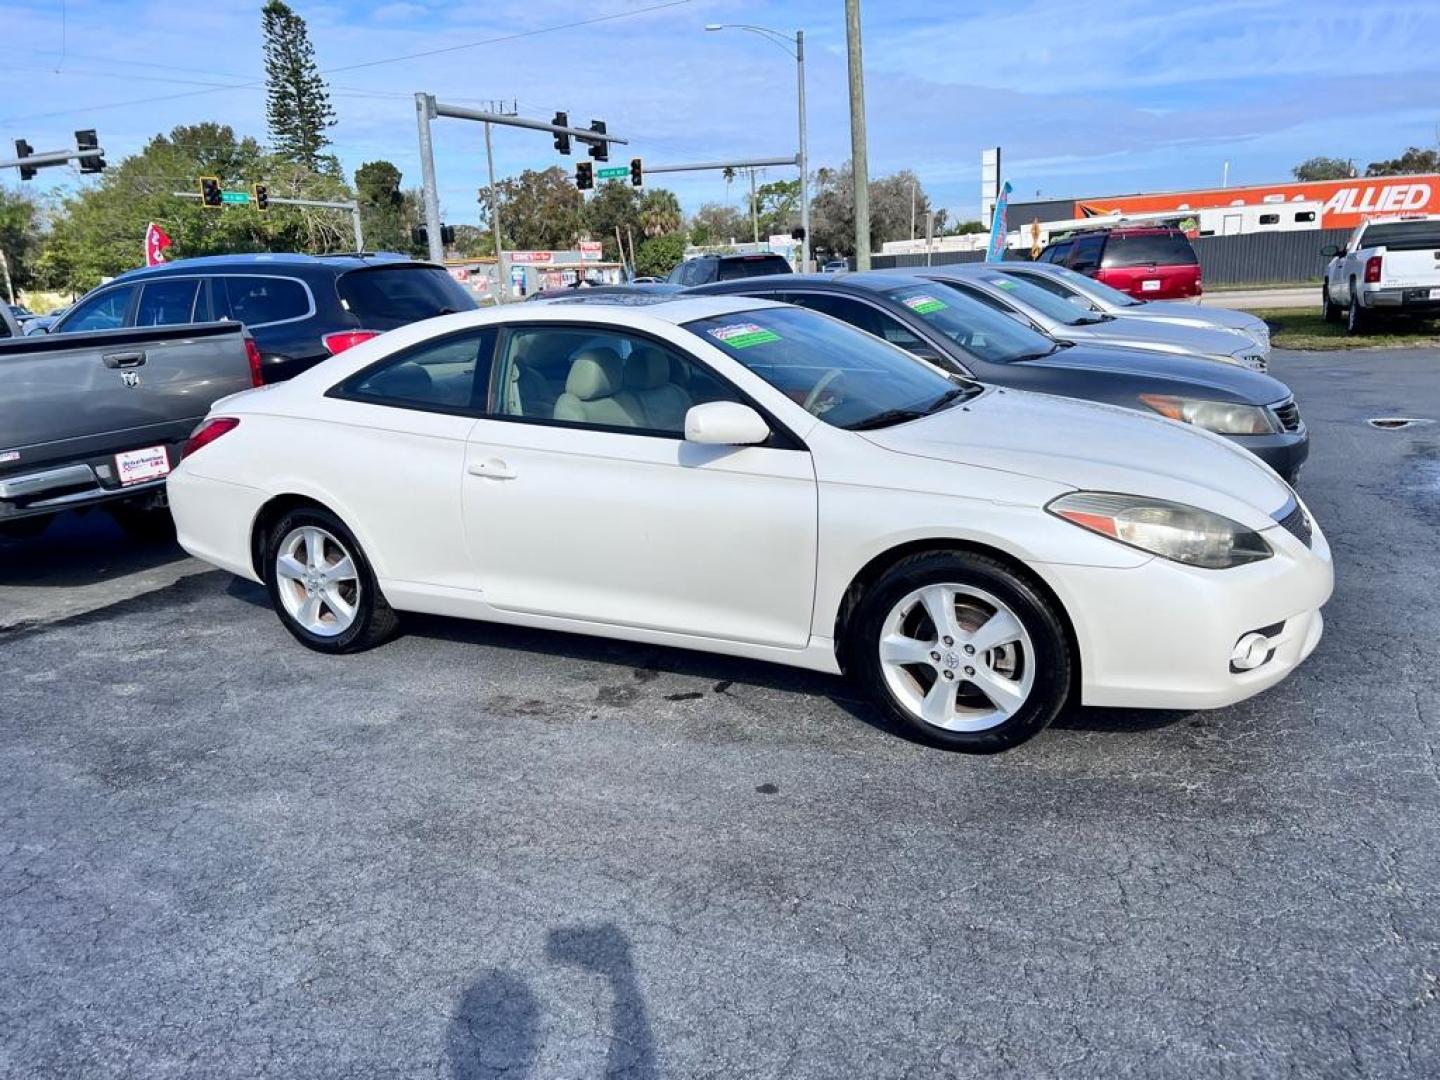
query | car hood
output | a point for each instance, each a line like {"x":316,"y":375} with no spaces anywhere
{"x":1153,"y":333}
{"x":1200,"y":378}
{"x":1195,"y":315}
{"x":1093,"y":447}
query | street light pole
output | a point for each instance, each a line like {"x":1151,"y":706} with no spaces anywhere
{"x":795,"y":46}
{"x":859,"y":157}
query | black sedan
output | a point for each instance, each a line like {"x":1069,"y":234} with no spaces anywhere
{"x":947,"y":328}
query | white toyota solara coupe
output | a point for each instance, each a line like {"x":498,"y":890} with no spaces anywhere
{"x":751,"y":478}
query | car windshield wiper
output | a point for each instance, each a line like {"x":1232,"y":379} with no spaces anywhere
{"x":901,"y":416}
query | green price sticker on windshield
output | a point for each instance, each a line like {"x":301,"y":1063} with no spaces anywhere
{"x":924,"y":304}
{"x":743,"y":335}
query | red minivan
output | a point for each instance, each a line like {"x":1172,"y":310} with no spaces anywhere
{"x":1148,"y":262}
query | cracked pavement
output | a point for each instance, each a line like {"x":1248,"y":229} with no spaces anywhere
{"x":486,"y":852}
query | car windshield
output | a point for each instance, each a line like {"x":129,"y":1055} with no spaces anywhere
{"x":1091,"y":287}
{"x":1033,"y":296}
{"x":844,"y":376}
{"x":979,"y":330}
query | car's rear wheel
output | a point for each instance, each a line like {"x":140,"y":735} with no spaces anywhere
{"x":962,"y":651}
{"x":322,"y":586}
{"x":1328,"y":311}
{"x":1356,"y":319}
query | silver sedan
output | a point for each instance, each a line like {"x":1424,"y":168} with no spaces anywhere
{"x":1064,"y":320}
{"x":1104,"y":300}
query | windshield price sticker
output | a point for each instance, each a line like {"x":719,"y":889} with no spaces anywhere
{"x":743,"y":335}
{"x":1002,"y":283}
{"x":923,"y":304}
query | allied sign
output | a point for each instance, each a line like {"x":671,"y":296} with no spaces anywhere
{"x":1346,"y":203}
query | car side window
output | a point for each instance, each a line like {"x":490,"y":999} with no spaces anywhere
{"x":1058,"y":288}
{"x":167,"y":302}
{"x":451,"y":374}
{"x":1058,"y":253}
{"x":1086,"y":256}
{"x":103,"y":311}
{"x":859,"y":314}
{"x":259,"y":301}
{"x":601,"y":379}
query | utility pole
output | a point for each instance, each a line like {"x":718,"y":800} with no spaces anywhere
{"x":5,"y":269}
{"x":859,"y":158}
{"x":424,"y":113}
{"x":912,"y":208}
{"x":804,"y":155}
{"x":754,"y":211}
{"x":502,"y":279}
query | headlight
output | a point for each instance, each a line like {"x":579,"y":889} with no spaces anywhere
{"x":1184,"y":534}
{"x":1220,"y":417}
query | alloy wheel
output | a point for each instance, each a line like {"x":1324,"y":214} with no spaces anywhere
{"x":318,"y":582}
{"x":957,"y":658}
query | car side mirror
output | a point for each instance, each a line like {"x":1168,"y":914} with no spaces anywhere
{"x":725,"y":423}
{"x":1330,"y":250}
{"x":36,"y":331}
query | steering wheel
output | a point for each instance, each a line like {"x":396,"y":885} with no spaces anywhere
{"x":823,"y":384}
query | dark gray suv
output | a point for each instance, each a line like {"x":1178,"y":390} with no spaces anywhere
{"x":703,"y":269}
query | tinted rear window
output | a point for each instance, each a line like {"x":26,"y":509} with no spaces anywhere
{"x":387,"y":297}
{"x":1403,"y":235}
{"x":752,"y":266}
{"x":1142,"y":249}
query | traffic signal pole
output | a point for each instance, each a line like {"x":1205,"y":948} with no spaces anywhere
{"x":428,"y":109}
{"x":322,"y":204}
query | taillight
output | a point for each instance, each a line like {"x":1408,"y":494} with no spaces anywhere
{"x":257,"y":371}
{"x":341,"y":340}
{"x":208,"y":432}
{"x":1372,"y":269}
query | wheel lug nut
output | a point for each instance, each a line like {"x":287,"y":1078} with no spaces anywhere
{"x":969,"y":671}
{"x":969,"y":650}
{"x":949,"y":641}
{"x":949,"y":674}
{"x":935,"y":656}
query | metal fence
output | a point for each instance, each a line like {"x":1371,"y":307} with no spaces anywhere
{"x":1248,"y":259}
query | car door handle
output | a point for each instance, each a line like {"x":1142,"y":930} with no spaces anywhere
{"x":491,"y":469}
{"x":123,"y":359}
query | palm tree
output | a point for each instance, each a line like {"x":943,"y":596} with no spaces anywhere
{"x":660,"y":213}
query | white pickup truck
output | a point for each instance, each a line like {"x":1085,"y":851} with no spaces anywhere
{"x":1389,"y":266}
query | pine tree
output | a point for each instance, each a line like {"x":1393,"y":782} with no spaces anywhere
{"x":297,"y":104}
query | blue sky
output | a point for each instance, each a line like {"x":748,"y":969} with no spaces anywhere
{"x":1108,"y":97}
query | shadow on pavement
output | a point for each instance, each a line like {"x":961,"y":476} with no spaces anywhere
{"x":496,"y":1030}
{"x":79,"y":549}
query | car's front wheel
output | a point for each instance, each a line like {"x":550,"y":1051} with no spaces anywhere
{"x":1356,"y":319}
{"x":1328,"y":311}
{"x":322,"y":586}
{"x":962,"y":651}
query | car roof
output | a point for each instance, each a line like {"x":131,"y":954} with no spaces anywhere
{"x":677,"y":308}
{"x":865,"y":280}
{"x":272,"y":260}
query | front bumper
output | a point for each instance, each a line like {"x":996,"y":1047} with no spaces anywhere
{"x":1284,"y":452}
{"x":1162,"y":635}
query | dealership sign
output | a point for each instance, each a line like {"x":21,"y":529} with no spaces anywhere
{"x":1347,"y":202}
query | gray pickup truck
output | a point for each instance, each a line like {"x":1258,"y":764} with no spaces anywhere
{"x":100,"y":418}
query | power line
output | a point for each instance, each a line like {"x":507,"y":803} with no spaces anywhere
{"x":219,"y":87}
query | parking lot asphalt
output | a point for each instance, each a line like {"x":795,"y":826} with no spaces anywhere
{"x":483,"y":852}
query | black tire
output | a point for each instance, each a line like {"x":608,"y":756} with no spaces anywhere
{"x":1357,"y":321}
{"x":152,"y":524}
{"x":375,"y":621}
{"x":1328,"y":311}
{"x":1054,"y":665}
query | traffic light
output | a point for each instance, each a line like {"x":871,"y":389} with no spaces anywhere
{"x":447,"y":235}
{"x":418,"y":236}
{"x":584,"y":175}
{"x":797,"y":233}
{"x":23,"y":150}
{"x":637,"y":172}
{"x":562,"y":140}
{"x":88,"y":140}
{"x":210,"y":191}
{"x":262,"y":197}
{"x":600,"y":150}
